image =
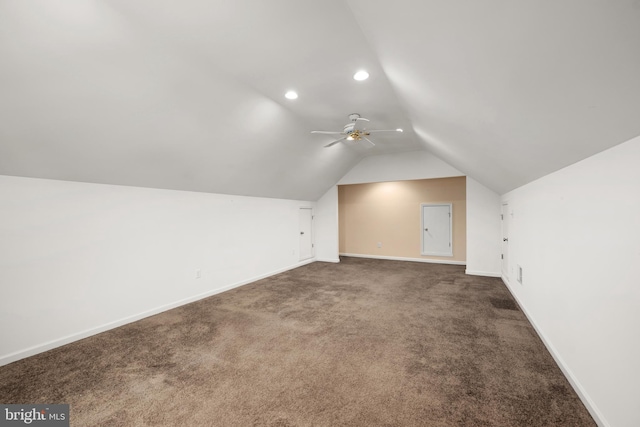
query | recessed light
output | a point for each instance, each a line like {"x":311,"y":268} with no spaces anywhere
{"x":398,"y":130}
{"x":291,"y":95}
{"x":361,"y":75}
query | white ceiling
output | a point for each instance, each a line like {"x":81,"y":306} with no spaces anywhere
{"x":189,"y":95}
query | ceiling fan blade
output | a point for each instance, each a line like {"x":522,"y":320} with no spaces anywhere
{"x":332,"y":143}
{"x":359,"y":123}
{"x":369,"y":141}
{"x":327,"y":132}
{"x":383,"y":130}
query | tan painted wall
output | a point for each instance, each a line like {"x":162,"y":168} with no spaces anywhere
{"x":389,"y":212}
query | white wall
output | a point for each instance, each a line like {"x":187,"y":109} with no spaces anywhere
{"x":78,"y":258}
{"x":399,"y":167}
{"x":576,"y":234}
{"x":483,"y":230}
{"x":326,"y":227}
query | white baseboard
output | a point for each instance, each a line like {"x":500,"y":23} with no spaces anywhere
{"x":582,"y":394}
{"x":335,"y":260}
{"x":395,"y":258}
{"x":32,"y":351}
{"x":482,"y":273}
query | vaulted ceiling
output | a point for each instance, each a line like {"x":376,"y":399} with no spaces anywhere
{"x":189,"y":95}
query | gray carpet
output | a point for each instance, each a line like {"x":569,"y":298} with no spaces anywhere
{"x":360,"y":343}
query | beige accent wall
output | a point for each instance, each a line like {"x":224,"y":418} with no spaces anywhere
{"x":389,"y":213}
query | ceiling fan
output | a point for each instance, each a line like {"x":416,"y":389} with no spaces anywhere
{"x":354,"y":131}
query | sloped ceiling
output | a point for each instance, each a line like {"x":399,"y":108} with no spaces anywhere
{"x":189,"y":95}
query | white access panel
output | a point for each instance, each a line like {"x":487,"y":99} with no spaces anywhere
{"x":437,"y":229}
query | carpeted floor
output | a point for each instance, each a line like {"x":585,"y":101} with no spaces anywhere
{"x":360,"y":343}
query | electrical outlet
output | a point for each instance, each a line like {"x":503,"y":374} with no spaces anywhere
{"x":198,"y":273}
{"x":379,"y":244}
{"x":519,"y":274}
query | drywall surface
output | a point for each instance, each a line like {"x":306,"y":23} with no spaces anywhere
{"x":78,"y":258}
{"x":326,"y":226}
{"x":576,"y":235}
{"x":483,"y":230}
{"x":399,"y":167}
{"x":384,"y":218}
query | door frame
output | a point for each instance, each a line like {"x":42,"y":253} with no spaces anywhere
{"x":311,"y":237}
{"x":422,"y":252}
{"x":504,"y":244}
